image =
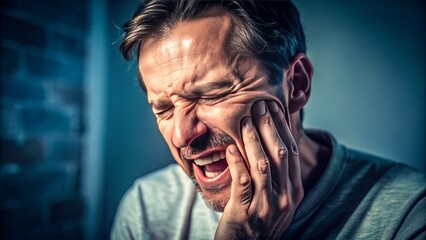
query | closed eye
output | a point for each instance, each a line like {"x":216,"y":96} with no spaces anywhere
{"x":162,"y":108}
{"x":164,"y":113}
{"x":213,"y":99}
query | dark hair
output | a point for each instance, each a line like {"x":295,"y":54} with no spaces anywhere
{"x":268,"y":30}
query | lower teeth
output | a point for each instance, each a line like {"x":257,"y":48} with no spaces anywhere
{"x":211,"y":174}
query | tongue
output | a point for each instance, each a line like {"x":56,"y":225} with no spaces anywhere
{"x":218,"y":166}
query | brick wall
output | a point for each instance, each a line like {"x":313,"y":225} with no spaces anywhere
{"x":42,"y":112}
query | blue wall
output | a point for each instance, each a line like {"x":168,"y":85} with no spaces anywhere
{"x":42,"y":118}
{"x":370,"y":74}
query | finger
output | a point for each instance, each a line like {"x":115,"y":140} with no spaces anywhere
{"x":241,"y":191}
{"x":272,"y":144}
{"x":293,"y":152}
{"x":259,"y":163}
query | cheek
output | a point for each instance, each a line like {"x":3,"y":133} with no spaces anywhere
{"x":226,"y":117}
{"x":166,"y":130}
{"x":228,"y":114}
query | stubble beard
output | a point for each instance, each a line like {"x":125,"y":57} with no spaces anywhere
{"x":217,"y":205}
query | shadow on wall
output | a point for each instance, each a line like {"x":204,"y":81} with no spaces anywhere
{"x":42,"y":118}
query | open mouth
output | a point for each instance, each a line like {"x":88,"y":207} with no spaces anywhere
{"x":213,"y":164}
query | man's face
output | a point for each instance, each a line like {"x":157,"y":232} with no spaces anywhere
{"x":199,"y":92}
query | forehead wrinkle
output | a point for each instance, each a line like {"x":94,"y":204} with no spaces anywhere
{"x":169,"y":62}
{"x":219,"y":78}
{"x":165,"y":57}
{"x":216,"y":37}
{"x":221,"y":31}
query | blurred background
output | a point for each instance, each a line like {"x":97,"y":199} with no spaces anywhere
{"x":76,"y":129}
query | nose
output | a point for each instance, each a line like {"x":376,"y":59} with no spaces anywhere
{"x":187,"y":127}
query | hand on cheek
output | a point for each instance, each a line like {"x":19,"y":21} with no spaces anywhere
{"x":266,"y":193}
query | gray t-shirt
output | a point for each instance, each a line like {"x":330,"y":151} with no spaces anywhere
{"x":358,"y":196}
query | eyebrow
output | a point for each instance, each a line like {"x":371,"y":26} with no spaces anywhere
{"x":160,"y":103}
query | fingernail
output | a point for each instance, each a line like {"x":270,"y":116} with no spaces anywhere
{"x":232,"y":149}
{"x":260,"y":108}
{"x":247,"y":123}
{"x":273,"y":106}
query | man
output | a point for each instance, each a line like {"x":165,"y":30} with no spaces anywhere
{"x":227,"y":81}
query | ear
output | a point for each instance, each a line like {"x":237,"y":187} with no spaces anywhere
{"x":298,"y":77}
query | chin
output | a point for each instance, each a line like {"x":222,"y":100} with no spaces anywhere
{"x":215,"y":199}
{"x":217,"y":202}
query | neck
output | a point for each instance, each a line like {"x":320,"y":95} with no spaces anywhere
{"x":313,"y":158}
